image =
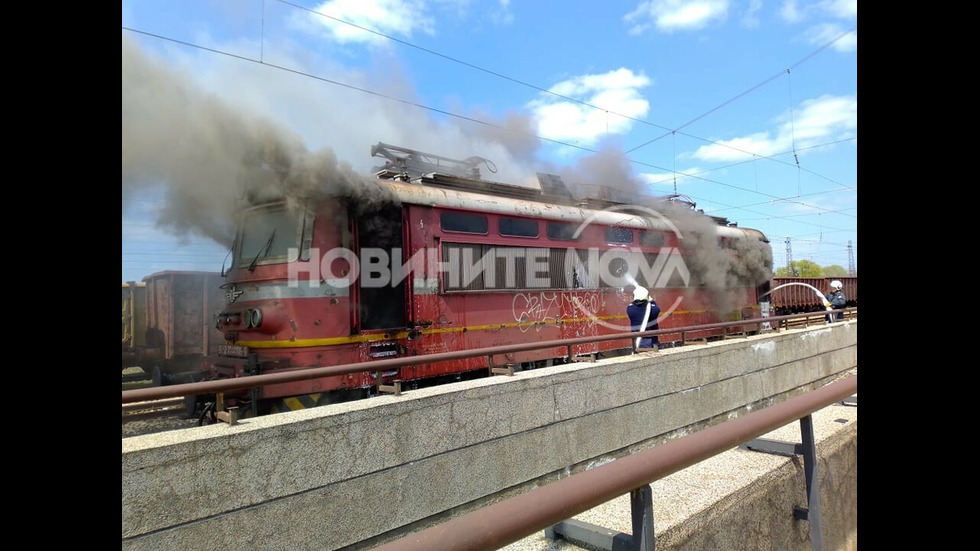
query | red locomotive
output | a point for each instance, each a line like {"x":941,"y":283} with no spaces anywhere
{"x":437,"y":259}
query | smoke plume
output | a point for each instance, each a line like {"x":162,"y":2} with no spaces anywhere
{"x":208,"y":158}
{"x":741,"y":263}
{"x":209,"y":152}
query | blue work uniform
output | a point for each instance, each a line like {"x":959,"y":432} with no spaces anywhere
{"x":837,"y":301}
{"x":636,"y":310}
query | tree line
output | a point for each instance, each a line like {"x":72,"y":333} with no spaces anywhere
{"x":808,"y":268}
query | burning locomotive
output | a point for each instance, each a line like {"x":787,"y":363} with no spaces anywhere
{"x":442,"y":260}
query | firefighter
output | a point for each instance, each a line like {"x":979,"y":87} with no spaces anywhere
{"x":643,"y":313}
{"x":835,"y":299}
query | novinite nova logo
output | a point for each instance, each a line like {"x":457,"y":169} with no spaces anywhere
{"x":583,"y":270}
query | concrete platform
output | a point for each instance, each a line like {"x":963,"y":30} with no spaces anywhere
{"x":351,"y":476}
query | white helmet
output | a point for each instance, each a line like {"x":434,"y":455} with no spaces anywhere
{"x":640,"y":293}
{"x":835,"y":284}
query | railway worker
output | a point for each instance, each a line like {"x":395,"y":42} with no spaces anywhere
{"x":835,"y":299}
{"x":643,"y":313}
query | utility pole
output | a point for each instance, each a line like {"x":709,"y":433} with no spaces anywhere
{"x":789,"y":259}
{"x":851,"y":270}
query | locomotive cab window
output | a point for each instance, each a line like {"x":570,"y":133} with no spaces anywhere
{"x":267,"y":233}
{"x":518,"y":227}
{"x":464,"y":222}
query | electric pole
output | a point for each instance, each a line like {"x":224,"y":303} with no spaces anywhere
{"x":789,"y":259}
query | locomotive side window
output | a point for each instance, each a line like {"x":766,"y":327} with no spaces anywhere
{"x":563,"y":231}
{"x":464,"y":222}
{"x":518,"y":227}
{"x":690,"y":240}
{"x":651,"y":238}
{"x":472,"y":267}
{"x":619,"y":235}
{"x":465,"y":266}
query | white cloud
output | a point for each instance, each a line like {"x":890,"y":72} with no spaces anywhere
{"x":668,"y":179}
{"x":675,"y":15}
{"x":751,"y":17}
{"x":820,"y":30}
{"x":390,"y":17}
{"x":822,"y":34}
{"x":614,"y":93}
{"x":792,"y":12}
{"x":820,"y":120}
{"x":502,"y":15}
{"x":844,"y":9}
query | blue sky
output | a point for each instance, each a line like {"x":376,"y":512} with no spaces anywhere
{"x":747,"y":107}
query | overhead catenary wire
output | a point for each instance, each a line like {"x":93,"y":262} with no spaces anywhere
{"x":433,"y":109}
{"x":673,"y":131}
{"x":752,"y":89}
{"x":670,"y":131}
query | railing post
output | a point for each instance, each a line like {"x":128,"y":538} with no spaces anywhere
{"x":812,"y":512}
{"x":808,"y":449}
{"x":641,"y":509}
{"x":394,"y":388}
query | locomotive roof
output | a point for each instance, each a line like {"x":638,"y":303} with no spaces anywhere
{"x":429,"y":190}
{"x":425,"y":178}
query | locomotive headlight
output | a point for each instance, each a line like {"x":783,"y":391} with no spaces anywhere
{"x":253,"y":318}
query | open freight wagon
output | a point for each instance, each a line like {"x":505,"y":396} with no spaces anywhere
{"x":168,"y":324}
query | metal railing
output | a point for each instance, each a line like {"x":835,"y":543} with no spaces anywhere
{"x":301,"y":374}
{"x":508,"y":521}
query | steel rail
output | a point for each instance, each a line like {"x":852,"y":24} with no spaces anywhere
{"x":505,"y":522}
{"x":153,"y":405}
{"x":304,"y":373}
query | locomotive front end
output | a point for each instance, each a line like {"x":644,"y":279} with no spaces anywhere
{"x":276,"y":305}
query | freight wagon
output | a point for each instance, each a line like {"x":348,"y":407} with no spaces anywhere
{"x":793,"y":295}
{"x":168,"y":323}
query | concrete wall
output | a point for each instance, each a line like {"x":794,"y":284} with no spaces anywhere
{"x":355,"y":474}
{"x":742,"y":499}
{"x":757,"y":513}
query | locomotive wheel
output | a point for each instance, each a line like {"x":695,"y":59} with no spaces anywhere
{"x":157,"y":376}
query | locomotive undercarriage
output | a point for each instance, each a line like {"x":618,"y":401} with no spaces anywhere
{"x":229,"y":407}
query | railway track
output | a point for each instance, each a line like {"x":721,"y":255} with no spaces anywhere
{"x":155,"y":416}
{"x":152,"y":409}
{"x":816,"y":318}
